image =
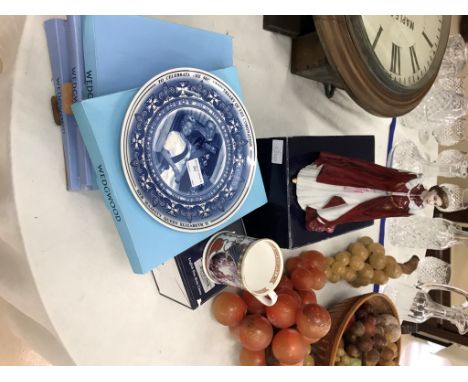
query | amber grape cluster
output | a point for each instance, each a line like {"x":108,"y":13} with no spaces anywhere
{"x":363,"y":263}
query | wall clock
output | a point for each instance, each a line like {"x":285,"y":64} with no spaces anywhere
{"x":385,"y":63}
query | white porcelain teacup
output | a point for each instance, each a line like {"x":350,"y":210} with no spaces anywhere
{"x":255,"y":265}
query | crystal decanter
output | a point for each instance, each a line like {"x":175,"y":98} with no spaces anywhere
{"x":414,"y":304}
{"x":425,"y":233}
{"x":450,"y":163}
{"x":438,"y":107}
{"x":450,"y":133}
{"x":455,"y":57}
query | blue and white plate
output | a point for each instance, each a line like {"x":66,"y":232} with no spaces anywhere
{"x":188,"y":149}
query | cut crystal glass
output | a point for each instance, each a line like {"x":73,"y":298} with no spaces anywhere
{"x":425,"y":233}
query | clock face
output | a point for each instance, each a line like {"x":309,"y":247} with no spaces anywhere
{"x":404,"y":46}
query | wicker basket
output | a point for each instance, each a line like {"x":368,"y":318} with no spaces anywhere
{"x":341,"y":315}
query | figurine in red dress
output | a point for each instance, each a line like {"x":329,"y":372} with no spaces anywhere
{"x":335,"y":190}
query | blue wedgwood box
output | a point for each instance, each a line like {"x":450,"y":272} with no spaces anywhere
{"x":147,"y":242}
{"x":123,"y":52}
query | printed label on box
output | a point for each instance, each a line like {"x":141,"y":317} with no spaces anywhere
{"x":277,"y":151}
{"x":195,"y":174}
{"x":207,"y":284}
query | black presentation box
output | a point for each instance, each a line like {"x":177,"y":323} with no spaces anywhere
{"x":280,"y":159}
{"x":182,"y":278}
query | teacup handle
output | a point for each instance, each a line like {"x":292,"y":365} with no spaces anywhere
{"x":269,"y":299}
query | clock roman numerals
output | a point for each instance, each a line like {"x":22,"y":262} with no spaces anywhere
{"x":427,"y":39}
{"x":395,"y":66}
{"x":402,"y":51}
{"x":414,"y":59}
{"x":379,"y":32}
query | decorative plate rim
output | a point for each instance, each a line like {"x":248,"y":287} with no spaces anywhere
{"x":125,"y":128}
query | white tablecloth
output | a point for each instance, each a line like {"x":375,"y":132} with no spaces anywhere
{"x":63,"y":269}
